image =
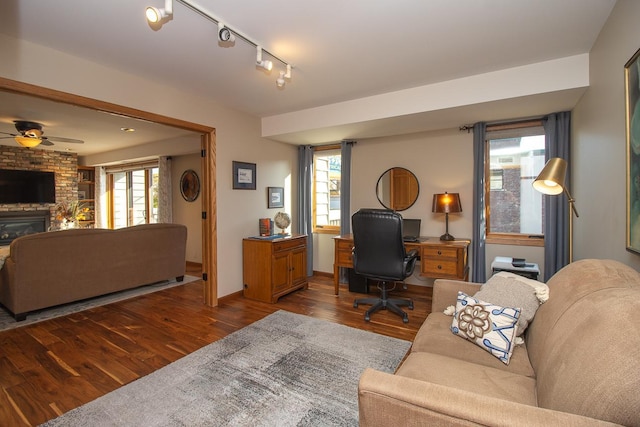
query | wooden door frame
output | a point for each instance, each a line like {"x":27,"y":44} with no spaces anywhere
{"x":208,"y":144}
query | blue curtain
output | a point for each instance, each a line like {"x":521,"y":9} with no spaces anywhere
{"x":478,"y":263}
{"x":304,"y":211}
{"x":557,"y":128}
{"x":345,"y":194}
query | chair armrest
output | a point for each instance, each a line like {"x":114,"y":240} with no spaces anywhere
{"x":409,"y":263}
{"x":386,"y":399}
{"x":445,"y":292}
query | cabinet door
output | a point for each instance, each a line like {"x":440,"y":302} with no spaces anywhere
{"x":280,"y":272}
{"x":298,"y":266}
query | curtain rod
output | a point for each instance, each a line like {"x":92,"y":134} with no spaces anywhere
{"x":507,"y":125}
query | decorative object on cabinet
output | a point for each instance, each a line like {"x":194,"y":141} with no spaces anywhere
{"x":275,"y":197}
{"x":244,"y":176}
{"x":632,"y":98}
{"x":283,"y":221}
{"x":275,"y":267}
{"x":446,"y":203}
{"x":397,"y":189}
{"x":550,"y":181}
{"x":189,"y":185}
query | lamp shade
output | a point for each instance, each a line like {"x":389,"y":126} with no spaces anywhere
{"x":551,"y":178}
{"x":446,"y":203}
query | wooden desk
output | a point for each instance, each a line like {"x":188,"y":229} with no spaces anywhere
{"x":439,"y":259}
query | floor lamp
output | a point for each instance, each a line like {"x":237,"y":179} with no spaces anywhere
{"x":551,"y":181}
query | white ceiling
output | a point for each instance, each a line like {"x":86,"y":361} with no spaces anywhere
{"x":341,"y":50}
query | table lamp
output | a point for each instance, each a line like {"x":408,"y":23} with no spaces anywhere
{"x":446,"y":203}
{"x":550,"y":181}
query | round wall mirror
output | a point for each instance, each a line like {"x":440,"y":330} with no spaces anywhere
{"x":189,"y":185}
{"x":397,"y":189}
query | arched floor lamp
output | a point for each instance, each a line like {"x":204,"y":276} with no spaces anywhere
{"x":550,"y":181}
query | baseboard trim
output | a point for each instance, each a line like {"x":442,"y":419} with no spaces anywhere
{"x":322,"y":274}
{"x":228,"y":297}
{"x":194,"y":265}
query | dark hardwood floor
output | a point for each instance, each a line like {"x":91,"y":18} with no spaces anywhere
{"x":51,"y":367}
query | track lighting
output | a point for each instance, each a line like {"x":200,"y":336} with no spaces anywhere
{"x":155,"y":15}
{"x":224,"y":34}
{"x":266,"y":64}
{"x":280,"y":80}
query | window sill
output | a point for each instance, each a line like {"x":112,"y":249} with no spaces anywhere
{"x":519,"y":240}
{"x":327,"y":230}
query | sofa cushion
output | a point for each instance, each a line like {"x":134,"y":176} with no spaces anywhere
{"x":508,"y":291}
{"x":490,"y":326}
{"x":471,"y":377}
{"x":434,"y":336}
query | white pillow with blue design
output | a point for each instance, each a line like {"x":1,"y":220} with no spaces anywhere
{"x":487,"y":325}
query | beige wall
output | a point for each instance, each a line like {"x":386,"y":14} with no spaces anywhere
{"x":598,"y":143}
{"x":442,"y":161}
{"x":184,"y":212}
{"x":238,"y":137}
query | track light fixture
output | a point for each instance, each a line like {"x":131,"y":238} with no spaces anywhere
{"x":266,"y":64}
{"x":284,"y":75}
{"x":224,"y":34}
{"x":155,"y":15}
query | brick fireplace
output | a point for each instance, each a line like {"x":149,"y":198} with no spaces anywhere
{"x":65,"y":166}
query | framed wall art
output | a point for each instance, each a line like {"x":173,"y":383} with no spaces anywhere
{"x":632,"y":100}
{"x":244,"y":176}
{"x":189,"y":185}
{"x":275,"y":197}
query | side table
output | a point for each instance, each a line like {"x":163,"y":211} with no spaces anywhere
{"x":500,"y":263}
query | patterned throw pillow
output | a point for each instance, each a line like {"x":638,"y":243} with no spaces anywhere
{"x":487,"y":325}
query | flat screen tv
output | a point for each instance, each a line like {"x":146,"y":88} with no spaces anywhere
{"x":19,"y":186}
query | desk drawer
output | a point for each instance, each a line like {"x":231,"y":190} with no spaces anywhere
{"x":439,"y":253}
{"x":440,"y":268}
{"x":343,"y":253}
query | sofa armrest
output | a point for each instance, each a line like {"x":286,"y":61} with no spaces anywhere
{"x":386,"y":399}
{"x":445,"y":292}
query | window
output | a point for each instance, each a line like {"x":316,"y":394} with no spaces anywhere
{"x":515,"y":157}
{"x":326,"y":190}
{"x":133,"y":195}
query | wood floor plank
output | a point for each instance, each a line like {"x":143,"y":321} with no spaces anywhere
{"x":51,"y":367}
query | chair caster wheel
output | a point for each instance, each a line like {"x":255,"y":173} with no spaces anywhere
{"x":355,"y":305}
{"x":367,"y":318}
{"x":405,"y":318}
{"x":411,"y":306}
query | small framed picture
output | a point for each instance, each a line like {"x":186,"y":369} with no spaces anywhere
{"x":244,"y":176}
{"x":82,"y":195}
{"x":275,"y":197}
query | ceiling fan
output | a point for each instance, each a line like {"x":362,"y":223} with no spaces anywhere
{"x":30,"y":134}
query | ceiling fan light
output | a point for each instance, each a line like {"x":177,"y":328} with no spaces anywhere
{"x":27,"y":141}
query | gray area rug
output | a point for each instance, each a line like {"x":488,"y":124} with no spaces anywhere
{"x":284,"y":370}
{"x":8,"y":322}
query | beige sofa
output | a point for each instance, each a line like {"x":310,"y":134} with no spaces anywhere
{"x":579,"y":365}
{"x":48,"y":269}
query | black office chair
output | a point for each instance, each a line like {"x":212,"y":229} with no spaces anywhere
{"x":379,"y":254}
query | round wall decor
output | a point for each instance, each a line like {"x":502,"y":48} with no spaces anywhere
{"x":189,"y":185}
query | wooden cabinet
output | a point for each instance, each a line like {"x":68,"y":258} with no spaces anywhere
{"x":272,"y":268}
{"x":86,"y":196}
